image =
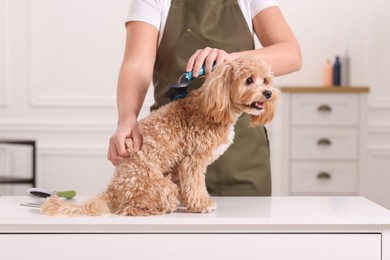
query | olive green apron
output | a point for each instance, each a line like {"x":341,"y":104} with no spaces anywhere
{"x":244,"y":169}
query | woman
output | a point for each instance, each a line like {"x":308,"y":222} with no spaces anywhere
{"x":166,"y":38}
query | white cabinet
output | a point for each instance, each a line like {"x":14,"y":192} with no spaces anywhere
{"x":288,"y":227}
{"x":320,"y":177}
{"x":323,"y":108}
{"x":334,"y":143}
{"x":196,"y":246}
{"x":323,"y":140}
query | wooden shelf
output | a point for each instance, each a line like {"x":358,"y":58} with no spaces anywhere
{"x":322,"y":89}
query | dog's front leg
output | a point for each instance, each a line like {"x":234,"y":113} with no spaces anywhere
{"x":192,"y":185}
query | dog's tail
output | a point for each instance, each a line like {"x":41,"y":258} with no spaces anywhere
{"x":54,"y":206}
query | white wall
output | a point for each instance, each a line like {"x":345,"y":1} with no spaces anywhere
{"x":59,"y":61}
{"x":328,"y":28}
{"x":59,"y":64}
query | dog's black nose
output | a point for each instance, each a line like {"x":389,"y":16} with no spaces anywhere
{"x":267,"y":94}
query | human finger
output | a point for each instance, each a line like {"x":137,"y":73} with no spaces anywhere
{"x":210,"y":61}
{"x":200,"y":60}
{"x":113,"y":156}
{"x":137,"y":140}
{"x":119,"y":144}
{"x":192,"y":59}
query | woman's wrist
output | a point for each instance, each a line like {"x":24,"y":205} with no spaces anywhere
{"x":234,"y":55}
{"x":127,"y":120}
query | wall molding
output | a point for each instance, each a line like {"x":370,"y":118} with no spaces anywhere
{"x":40,"y":100}
{"x":4,"y":161}
{"x":4,"y":62}
{"x":379,"y":103}
{"x":379,"y":151}
{"x":382,"y":129}
{"x":64,"y":149}
{"x":5,"y":168}
{"x":379,"y":127}
{"x":379,"y":111}
{"x":69,"y":126}
{"x":37,"y":97}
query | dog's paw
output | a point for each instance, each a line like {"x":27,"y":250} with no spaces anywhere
{"x":206,"y":205}
{"x":210,"y":208}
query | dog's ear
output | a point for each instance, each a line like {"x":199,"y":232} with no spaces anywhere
{"x":216,"y":94}
{"x":268,"y":113}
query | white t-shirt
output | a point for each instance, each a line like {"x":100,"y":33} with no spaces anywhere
{"x":155,"y":12}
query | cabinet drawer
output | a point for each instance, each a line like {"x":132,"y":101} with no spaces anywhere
{"x":323,"y":177}
{"x":182,"y":246}
{"x":332,"y":143}
{"x":325,"y":109}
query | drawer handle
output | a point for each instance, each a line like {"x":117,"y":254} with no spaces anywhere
{"x":324,"y":108}
{"x":324,"y":176}
{"x":324,"y":141}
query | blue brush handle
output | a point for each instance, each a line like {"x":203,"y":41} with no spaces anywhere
{"x":189,"y":76}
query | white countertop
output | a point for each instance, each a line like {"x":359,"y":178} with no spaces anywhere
{"x":234,"y":214}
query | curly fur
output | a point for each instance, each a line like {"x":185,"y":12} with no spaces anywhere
{"x":179,"y":141}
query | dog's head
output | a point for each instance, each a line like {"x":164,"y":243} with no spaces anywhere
{"x":243,"y":85}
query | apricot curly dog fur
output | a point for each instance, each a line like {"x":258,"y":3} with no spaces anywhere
{"x":179,"y":141}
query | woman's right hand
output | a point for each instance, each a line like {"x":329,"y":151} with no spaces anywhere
{"x":209,"y":57}
{"x":134,"y":79}
{"x":117,"y":149}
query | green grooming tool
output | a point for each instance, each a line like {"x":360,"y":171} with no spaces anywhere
{"x":42,"y":193}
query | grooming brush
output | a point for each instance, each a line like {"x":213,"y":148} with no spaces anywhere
{"x":39,"y":194}
{"x":178,"y":90}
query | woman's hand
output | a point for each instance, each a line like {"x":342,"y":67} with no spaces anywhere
{"x":134,"y":79}
{"x":117,"y":149}
{"x":207,"y":56}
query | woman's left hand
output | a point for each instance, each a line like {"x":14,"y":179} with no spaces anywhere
{"x":207,"y":56}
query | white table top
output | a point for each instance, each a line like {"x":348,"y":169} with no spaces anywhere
{"x":234,"y":214}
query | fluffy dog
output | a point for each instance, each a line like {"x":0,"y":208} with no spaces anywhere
{"x":179,"y":141}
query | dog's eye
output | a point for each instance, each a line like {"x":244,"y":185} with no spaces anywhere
{"x":249,"y":81}
{"x":265,"y":81}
